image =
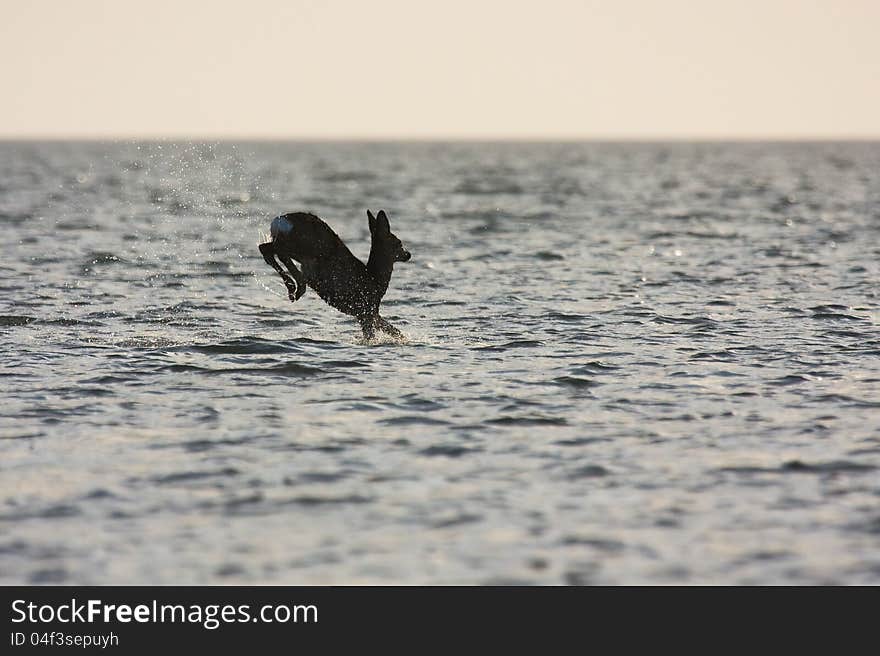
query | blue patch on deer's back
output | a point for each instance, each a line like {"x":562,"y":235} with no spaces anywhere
{"x":280,"y":226}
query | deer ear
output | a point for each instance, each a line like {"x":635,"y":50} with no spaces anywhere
{"x":382,"y":221}
{"x":371,"y":220}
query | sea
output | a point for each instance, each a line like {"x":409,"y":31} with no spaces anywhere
{"x":622,"y":363}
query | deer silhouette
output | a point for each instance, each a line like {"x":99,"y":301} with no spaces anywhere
{"x":330,"y":268}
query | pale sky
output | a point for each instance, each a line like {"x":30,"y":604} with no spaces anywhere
{"x":554,"y":69}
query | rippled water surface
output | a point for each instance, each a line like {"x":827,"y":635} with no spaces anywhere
{"x":624,"y":364}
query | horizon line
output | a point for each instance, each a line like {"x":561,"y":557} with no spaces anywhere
{"x":451,"y":138}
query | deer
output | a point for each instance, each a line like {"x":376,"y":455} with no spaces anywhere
{"x":331,"y":269}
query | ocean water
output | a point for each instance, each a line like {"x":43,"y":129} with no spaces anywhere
{"x":624,"y":363}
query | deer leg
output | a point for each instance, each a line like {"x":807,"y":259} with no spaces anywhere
{"x":298,"y":276}
{"x":267,"y":250}
{"x":386,"y":327}
{"x":368,"y":325}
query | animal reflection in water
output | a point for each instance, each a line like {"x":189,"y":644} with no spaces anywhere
{"x":330,"y":268}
